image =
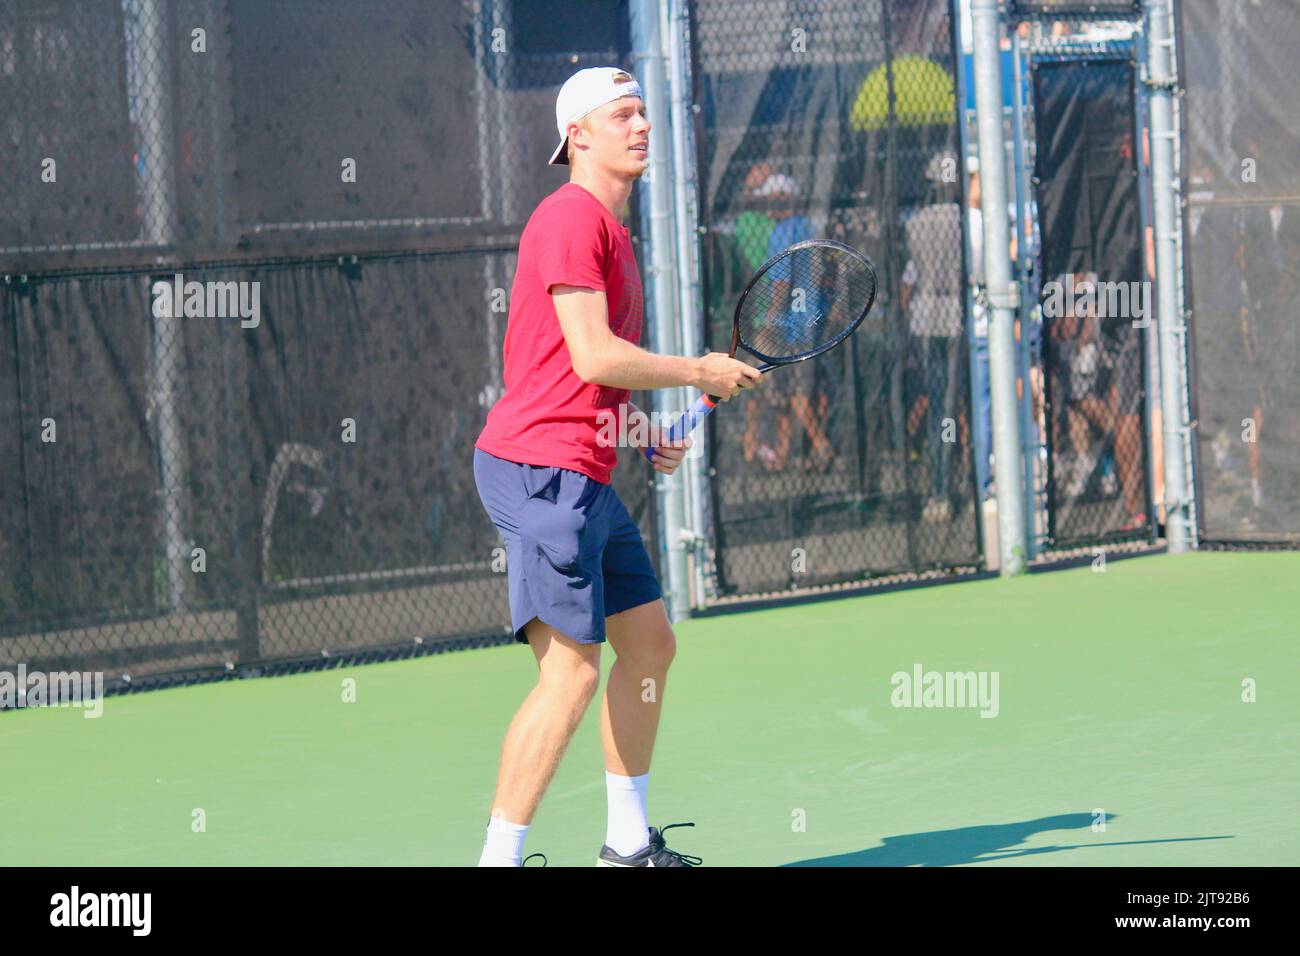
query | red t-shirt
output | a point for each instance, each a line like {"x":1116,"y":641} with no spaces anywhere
{"x":548,"y":415}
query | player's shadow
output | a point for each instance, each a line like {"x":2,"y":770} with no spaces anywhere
{"x":980,"y":844}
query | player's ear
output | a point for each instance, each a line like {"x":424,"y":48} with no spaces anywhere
{"x":577,"y":127}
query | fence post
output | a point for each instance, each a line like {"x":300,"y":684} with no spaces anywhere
{"x":148,"y":64}
{"x":1002,"y":294}
{"x":1174,"y":403}
{"x":657,"y":223}
{"x":673,"y":25}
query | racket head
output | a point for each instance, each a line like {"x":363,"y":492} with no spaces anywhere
{"x":804,"y":301}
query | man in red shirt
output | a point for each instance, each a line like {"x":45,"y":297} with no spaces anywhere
{"x":578,"y":569}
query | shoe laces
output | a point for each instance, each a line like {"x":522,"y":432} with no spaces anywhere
{"x":684,"y":858}
{"x":531,"y":855}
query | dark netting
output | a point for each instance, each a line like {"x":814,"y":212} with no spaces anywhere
{"x":241,"y":486}
{"x":71,"y":165}
{"x":320,"y":459}
{"x":198,"y":130}
{"x":838,"y":120}
{"x":1242,"y":241}
{"x":1096,"y":300}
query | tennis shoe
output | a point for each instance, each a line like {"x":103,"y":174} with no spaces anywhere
{"x":655,"y":854}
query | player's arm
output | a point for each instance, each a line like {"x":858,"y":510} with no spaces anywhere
{"x":602,"y":358}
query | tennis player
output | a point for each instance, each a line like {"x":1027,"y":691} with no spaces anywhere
{"x":578,"y":569}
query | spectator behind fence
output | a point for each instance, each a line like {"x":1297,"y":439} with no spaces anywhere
{"x":799,"y":390}
{"x":1268,"y":240}
{"x":932,"y":298}
{"x":1081,"y":364}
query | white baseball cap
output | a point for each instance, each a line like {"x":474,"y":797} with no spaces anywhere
{"x":585,"y":91}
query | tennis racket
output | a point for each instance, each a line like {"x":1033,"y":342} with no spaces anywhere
{"x":801,"y":303}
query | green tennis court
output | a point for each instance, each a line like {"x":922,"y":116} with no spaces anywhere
{"x":1119,"y":694}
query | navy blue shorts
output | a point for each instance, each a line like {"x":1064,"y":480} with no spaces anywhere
{"x":574,"y":556}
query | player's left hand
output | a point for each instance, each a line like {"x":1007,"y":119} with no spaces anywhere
{"x":669,"y":455}
{"x":643,"y":434}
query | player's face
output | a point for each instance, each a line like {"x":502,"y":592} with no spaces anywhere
{"x":618,"y":138}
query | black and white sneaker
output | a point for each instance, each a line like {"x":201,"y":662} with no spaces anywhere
{"x":656,"y":854}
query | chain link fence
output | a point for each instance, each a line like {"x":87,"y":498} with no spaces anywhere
{"x":1242,"y":228}
{"x":256,"y":295}
{"x":190,"y":493}
{"x":1096,"y":299}
{"x":838,"y":120}
{"x":278,"y":467}
{"x":194,"y":130}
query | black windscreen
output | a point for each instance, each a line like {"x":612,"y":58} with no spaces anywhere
{"x":1096,"y":299}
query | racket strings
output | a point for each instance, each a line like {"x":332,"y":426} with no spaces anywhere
{"x":805,"y":302}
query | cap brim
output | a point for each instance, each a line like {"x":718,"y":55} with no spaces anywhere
{"x":561,"y":155}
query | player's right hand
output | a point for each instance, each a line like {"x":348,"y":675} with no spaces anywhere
{"x":724,"y":376}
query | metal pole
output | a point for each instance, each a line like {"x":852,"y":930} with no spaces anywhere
{"x":147,"y":69}
{"x":1150,"y":340}
{"x":657,"y":221}
{"x":486,"y":59}
{"x":686,"y":217}
{"x":894,"y":235}
{"x":1173,"y":366}
{"x":1002,"y":295}
{"x":1025,"y":306}
{"x":979,"y":453}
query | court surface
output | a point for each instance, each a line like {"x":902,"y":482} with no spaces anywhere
{"x":1119,"y":694}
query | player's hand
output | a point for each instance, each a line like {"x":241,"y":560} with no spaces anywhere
{"x":668,"y":455}
{"x":723,"y":376}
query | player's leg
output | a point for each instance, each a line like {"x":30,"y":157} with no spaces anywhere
{"x":551,"y":521}
{"x":645,"y":644}
{"x":638,"y":630}
{"x":633,"y":701}
{"x":568,"y":675}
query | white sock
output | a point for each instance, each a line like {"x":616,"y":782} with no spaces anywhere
{"x":627,"y":830}
{"x":504,"y":845}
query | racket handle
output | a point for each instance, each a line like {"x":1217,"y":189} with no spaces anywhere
{"x":698,"y":411}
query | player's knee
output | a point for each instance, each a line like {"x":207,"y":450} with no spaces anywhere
{"x":586,"y":681}
{"x":661,"y":647}
{"x":578,"y":679}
